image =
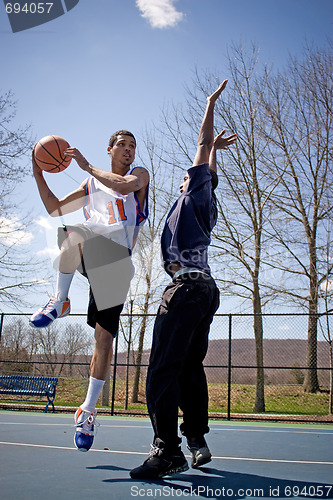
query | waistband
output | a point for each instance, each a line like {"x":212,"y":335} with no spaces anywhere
{"x":189,"y":270}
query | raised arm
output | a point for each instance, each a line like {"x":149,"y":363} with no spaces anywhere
{"x":131,"y":183}
{"x":220,"y":142}
{"x":134,"y":182}
{"x":206,"y":134}
{"x":55,"y":207}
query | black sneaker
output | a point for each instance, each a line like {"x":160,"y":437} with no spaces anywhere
{"x":200,"y":454}
{"x":160,"y":463}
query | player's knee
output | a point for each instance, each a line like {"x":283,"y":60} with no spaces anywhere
{"x":103,"y":338}
{"x":72,"y":240}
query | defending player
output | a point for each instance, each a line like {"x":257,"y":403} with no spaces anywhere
{"x":176,"y":376}
{"x":115,"y":206}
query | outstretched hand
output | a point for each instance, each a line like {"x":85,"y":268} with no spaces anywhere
{"x":78,"y":157}
{"x":221,"y":142}
{"x":215,"y":95}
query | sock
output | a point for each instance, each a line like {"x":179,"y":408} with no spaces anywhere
{"x":94,"y":390}
{"x":63,"y":284}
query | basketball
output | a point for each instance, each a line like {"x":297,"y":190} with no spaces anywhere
{"x":49,"y":154}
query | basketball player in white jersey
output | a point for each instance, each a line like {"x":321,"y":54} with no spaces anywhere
{"x":115,"y":206}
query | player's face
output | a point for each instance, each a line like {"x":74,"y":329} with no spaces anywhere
{"x":123,"y":150}
{"x":184,"y":185}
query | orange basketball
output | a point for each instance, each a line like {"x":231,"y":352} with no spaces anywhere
{"x":49,"y":153}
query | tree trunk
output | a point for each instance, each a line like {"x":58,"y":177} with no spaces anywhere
{"x":259,"y":405}
{"x":311,"y":383}
{"x":330,"y":411}
{"x":135,"y":392}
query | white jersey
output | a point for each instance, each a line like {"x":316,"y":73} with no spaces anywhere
{"x":114,"y":215}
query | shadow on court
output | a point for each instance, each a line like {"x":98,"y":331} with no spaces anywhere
{"x":216,"y":483}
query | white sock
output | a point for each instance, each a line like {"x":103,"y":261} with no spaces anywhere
{"x":94,"y":390}
{"x":63,"y":284}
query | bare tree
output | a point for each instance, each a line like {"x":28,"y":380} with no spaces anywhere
{"x":16,"y":267}
{"x":15,"y":348}
{"x":14,"y":144}
{"x":58,"y":345}
{"x":244,"y":206}
{"x":245,"y":189}
{"x":299,"y":107}
{"x":73,"y":343}
{"x":49,"y":348}
{"x":276,"y":186}
{"x":146,"y":286}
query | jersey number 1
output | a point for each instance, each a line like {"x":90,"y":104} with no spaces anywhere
{"x":121,"y":210}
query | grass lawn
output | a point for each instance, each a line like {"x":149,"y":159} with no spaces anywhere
{"x":279,"y":399}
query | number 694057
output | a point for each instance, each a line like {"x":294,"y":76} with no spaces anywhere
{"x":29,"y":8}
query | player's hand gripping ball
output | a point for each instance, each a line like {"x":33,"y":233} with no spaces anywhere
{"x":49,"y":154}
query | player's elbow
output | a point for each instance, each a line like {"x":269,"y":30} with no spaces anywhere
{"x":204,"y":149}
{"x":130,"y":186}
{"x":205,"y":143}
{"x":54,"y":212}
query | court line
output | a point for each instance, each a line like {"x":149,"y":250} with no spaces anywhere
{"x":69,"y":425}
{"x":224,"y":429}
{"x":121,"y":452}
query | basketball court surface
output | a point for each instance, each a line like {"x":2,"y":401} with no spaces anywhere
{"x":250,"y":460}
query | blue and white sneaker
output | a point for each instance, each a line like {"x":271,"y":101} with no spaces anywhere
{"x":54,"y":309}
{"x":85,"y":422}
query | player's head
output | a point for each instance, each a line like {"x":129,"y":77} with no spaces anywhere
{"x":185,"y":182}
{"x":121,"y":148}
{"x":114,"y":137}
{"x":214,"y":178}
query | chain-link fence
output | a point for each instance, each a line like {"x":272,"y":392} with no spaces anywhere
{"x":245,"y":376}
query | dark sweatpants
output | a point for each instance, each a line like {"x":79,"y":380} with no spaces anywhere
{"x":176,"y":376}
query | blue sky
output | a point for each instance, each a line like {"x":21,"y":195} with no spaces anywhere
{"x":111,"y":64}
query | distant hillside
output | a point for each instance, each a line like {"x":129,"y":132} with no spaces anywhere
{"x":284,"y":361}
{"x":277,"y":353}
{"x":284,"y":353}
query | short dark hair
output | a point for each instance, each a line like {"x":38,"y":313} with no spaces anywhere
{"x":215,"y":179}
{"x":114,"y":136}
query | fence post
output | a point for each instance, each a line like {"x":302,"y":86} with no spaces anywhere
{"x":106,"y":389}
{"x":114,"y":375}
{"x":128,"y":352}
{"x":1,"y":323}
{"x":229,"y":368}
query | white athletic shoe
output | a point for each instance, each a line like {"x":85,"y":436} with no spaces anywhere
{"x":85,"y":422}
{"x":54,"y":309}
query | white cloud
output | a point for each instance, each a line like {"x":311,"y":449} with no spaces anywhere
{"x":44,"y":222}
{"x":160,"y":13}
{"x":52,"y":252}
{"x":12,"y":232}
